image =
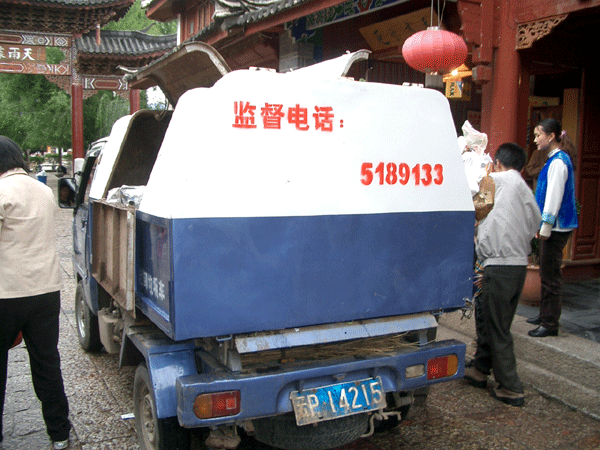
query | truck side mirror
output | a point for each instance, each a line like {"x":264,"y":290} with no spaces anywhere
{"x":67,"y":187}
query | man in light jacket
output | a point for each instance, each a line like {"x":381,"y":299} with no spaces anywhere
{"x":30,"y":283}
{"x":503,"y":244}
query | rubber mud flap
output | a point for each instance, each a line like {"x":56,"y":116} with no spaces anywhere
{"x":282,"y":432}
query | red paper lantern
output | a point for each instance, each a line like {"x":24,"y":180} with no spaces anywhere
{"x":434,"y":50}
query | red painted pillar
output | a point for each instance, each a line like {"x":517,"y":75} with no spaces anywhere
{"x":523,"y":107}
{"x":134,"y":100}
{"x":77,"y":121}
{"x":501,"y":95}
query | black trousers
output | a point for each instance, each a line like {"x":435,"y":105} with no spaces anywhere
{"x":37,"y":318}
{"x":551,"y":257}
{"x":495,"y":311}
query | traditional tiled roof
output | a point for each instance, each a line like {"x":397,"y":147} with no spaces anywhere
{"x":60,"y":16}
{"x":132,"y":43}
{"x":240,"y":12}
{"x":234,"y":13}
{"x":119,"y":48}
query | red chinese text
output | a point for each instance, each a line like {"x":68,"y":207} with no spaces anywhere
{"x":244,"y":115}
{"x":274,"y":115}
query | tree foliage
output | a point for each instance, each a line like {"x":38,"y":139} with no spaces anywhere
{"x":34,"y":112}
{"x":136,"y":20}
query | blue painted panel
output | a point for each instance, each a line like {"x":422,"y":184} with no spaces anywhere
{"x":82,"y":228}
{"x":236,"y":275}
{"x":165,"y":369}
{"x":154,"y":270}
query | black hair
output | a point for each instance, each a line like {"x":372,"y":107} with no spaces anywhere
{"x":11,"y":156}
{"x":550,"y":125}
{"x":512,"y":156}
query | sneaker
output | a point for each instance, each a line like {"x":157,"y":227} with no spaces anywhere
{"x":475,"y":378}
{"x":509,"y":397}
{"x":60,"y":445}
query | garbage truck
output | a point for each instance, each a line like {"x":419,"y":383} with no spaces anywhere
{"x":273,"y":252}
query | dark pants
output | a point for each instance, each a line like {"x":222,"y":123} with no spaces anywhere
{"x":37,"y":318}
{"x":551,"y":257}
{"x":495,"y":310}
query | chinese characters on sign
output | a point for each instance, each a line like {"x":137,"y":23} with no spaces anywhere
{"x":271,"y":115}
{"x":22,"y":53}
{"x":26,"y":53}
{"x":153,"y":286}
{"x":460,"y":90}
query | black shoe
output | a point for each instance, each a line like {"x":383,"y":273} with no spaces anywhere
{"x":508,"y":397}
{"x":535,"y":320}
{"x":475,"y":378}
{"x":542,"y":331}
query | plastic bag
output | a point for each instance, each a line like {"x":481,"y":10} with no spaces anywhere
{"x":126,"y":195}
{"x":477,"y":163}
{"x":476,"y":141}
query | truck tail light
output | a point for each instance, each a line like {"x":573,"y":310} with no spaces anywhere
{"x":217,"y":404}
{"x":444,"y":366}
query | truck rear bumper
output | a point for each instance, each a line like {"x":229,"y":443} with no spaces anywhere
{"x":268,"y":394}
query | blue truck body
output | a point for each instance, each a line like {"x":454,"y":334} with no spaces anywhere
{"x":277,"y":273}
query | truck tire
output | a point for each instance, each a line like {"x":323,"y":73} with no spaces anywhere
{"x":87,"y":322}
{"x":154,"y":433}
{"x":282,"y":432}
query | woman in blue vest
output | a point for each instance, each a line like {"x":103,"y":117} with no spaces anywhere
{"x":555,"y":195}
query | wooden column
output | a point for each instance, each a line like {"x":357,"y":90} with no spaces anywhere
{"x":76,"y":106}
{"x":500,"y":96}
{"x":490,"y":25}
{"x":134,"y":100}
{"x":77,"y":121}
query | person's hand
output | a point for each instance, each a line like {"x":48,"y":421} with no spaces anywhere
{"x":545,"y":231}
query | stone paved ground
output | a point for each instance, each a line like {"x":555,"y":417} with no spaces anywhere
{"x":458,"y":416}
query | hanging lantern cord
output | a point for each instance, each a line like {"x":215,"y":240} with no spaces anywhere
{"x":431,"y":15}
{"x":440,"y":13}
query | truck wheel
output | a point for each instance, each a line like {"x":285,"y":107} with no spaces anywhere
{"x":154,"y":433}
{"x":87,"y":323}
{"x":282,"y":432}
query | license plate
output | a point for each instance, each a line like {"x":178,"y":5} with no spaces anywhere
{"x":337,"y":400}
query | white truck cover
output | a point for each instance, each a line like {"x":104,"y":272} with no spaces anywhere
{"x":263,"y":144}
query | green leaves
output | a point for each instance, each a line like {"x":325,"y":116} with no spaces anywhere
{"x":34,"y":112}
{"x":136,"y":19}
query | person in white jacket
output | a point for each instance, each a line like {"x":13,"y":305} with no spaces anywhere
{"x":30,"y":283}
{"x":503,"y":244}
